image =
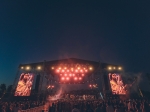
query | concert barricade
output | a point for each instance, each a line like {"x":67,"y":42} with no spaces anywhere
{"x":36,"y":109}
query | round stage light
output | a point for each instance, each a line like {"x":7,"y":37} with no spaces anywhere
{"x":62,"y":78}
{"x":71,"y":69}
{"x":119,"y":68}
{"x":22,"y":67}
{"x":81,"y":70}
{"x":62,"y":70}
{"x":114,"y":67}
{"x":52,"y":68}
{"x":65,"y":74}
{"x":39,"y":67}
{"x":65,"y":68}
{"x":109,"y":68}
{"x":59,"y":67}
{"x":83,"y":75}
{"x":80,"y":78}
{"x":57,"y":71}
{"x":90,"y":68}
{"x":67,"y":78}
{"x":75,"y":78}
{"x":76,"y":70}
{"x":27,"y":67}
{"x":70,"y":75}
{"x":86,"y":70}
{"x":90,"y":85}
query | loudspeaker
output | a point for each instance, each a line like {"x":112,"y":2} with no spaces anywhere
{"x":37,"y":83}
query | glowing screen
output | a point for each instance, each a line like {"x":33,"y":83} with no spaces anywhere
{"x":116,"y":83}
{"x":24,"y":85}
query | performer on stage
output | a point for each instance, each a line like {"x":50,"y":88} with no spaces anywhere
{"x":116,"y":83}
{"x":24,"y":85}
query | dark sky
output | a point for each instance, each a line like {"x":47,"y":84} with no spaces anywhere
{"x":114,"y":32}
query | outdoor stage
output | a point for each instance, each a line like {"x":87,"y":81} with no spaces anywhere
{"x":49,"y":77}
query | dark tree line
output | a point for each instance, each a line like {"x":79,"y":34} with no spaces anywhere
{"x":5,"y":89}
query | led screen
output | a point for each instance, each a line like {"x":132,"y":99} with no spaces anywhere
{"x":116,"y":83}
{"x":24,"y":85}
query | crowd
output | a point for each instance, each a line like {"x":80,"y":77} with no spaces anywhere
{"x":15,"y":106}
{"x":109,"y":105}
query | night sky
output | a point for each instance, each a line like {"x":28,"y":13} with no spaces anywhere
{"x":115,"y":32}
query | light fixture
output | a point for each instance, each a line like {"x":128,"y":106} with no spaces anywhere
{"x":119,"y":68}
{"x":109,"y":68}
{"x":39,"y":67}
{"x":22,"y":67}
{"x":90,"y":68}
{"x":27,"y":67}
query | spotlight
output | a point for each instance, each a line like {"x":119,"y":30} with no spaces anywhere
{"x":114,"y":67}
{"x":27,"y":67}
{"x":82,"y":74}
{"x":75,"y":78}
{"x":81,"y":70}
{"x":22,"y":67}
{"x":52,"y":68}
{"x":65,"y":74}
{"x":80,"y":78}
{"x":109,"y":68}
{"x":90,"y":68}
{"x":78,"y":67}
{"x":67,"y":78}
{"x":119,"y":68}
{"x":57,"y":71}
{"x":59,"y":67}
{"x":71,"y":69}
{"x":39,"y":67}
{"x":62,"y":70}
{"x":62,"y":78}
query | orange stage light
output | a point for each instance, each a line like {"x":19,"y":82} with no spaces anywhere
{"x":75,"y":78}
{"x":67,"y":78}
{"x":80,"y":78}
{"x":57,"y":71}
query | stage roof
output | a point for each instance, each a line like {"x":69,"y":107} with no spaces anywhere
{"x":69,"y":61}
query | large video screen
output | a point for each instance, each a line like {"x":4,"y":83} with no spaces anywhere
{"x":116,"y":83}
{"x":24,"y":85}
